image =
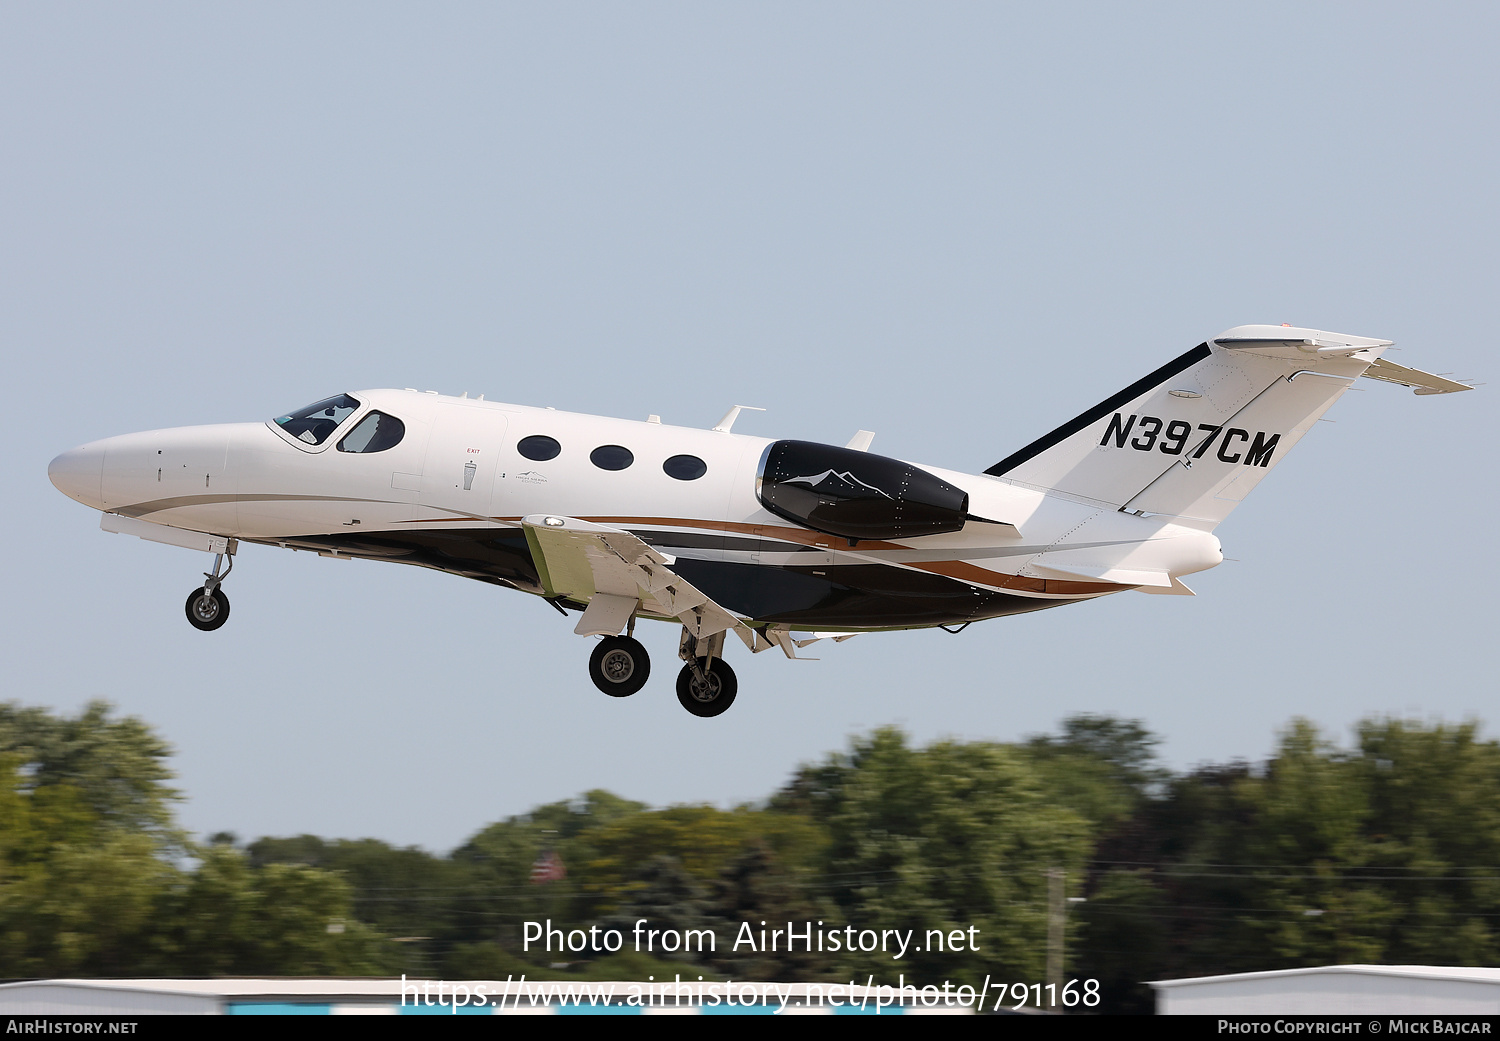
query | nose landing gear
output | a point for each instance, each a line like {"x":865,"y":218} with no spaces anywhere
{"x":207,"y":607}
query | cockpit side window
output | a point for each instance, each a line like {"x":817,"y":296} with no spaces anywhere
{"x":375,"y":433}
{"x":316,"y":423}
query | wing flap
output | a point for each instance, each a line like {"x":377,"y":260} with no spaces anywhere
{"x":617,"y":574}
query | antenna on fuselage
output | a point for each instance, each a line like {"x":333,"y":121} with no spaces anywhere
{"x":724,"y":424}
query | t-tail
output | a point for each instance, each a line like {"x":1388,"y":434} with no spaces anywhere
{"x":1194,"y":437}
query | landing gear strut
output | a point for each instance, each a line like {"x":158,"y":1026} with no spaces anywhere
{"x":706,"y":686}
{"x":619,"y":666}
{"x":207,"y":607}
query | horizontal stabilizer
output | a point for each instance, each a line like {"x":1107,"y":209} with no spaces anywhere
{"x":1420,"y":382}
{"x":1108,"y":573}
{"x":1178,"y":588}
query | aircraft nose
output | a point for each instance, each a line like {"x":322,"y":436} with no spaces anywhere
{"x":78,"y":474}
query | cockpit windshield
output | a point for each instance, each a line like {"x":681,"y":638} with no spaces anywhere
{"x":316,"y":423}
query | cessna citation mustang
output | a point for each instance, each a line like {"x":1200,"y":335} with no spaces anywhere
{"x":725,"y":533}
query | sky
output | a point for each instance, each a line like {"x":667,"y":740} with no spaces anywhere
{"x":957,"y":225}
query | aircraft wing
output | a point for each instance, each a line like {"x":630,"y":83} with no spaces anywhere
{"x":617,"y":574}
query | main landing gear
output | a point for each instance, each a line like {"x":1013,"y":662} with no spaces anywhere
{"x":706,"y":686}
{"x":619,"y":666}
{"x":207,"y":607}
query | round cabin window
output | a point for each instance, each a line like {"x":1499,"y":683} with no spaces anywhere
{"x":539,"y":447}
{"x":685,"y":467}
{"x":611,"y":457}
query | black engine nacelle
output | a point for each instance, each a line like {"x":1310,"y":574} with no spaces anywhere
{"x":856,"y":495}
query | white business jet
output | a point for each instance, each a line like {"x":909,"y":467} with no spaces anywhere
{"x":724,"y":533}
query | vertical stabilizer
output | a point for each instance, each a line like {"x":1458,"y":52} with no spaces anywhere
{"x":1192,"y":438}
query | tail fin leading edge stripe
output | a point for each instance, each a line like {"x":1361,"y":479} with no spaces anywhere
{"x":1099,"y":411}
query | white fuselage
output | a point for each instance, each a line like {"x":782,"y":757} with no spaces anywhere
{"x":457,"y":474}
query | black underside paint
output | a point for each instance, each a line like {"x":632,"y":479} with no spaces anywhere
{"x":854,"y":596}
{"x":1099,"y":411}
{"x":857,"y":596}
{"x":493,"y":555}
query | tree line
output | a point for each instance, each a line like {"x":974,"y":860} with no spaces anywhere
{"x":1387,"y":851}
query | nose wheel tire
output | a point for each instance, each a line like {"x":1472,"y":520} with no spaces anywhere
{"x":711,"y":695}
{"x":619,"y":666}
{"x":207,"y":611}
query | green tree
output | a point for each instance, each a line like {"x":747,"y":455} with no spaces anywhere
{"x":422,"y":901}
{"x":76,"y":896}
{"x":498,"y":863}
{"x":1099,"y":766}
{"x":118,"y":765}
{"x":759,"y":886}
{"x":1434,"y":819}
{"x":77,"y":890}
{"x":92,"y":881}
{"x":1384,"y":852}
{"x":947,"y":838}
{"x":229,"y":917}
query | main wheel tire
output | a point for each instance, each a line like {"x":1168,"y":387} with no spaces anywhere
{"x":711,"y":695}
{"x":207,"y":611}
{"x":619,"y":666}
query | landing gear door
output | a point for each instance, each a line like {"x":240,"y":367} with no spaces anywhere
{"x":459,"y":474}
